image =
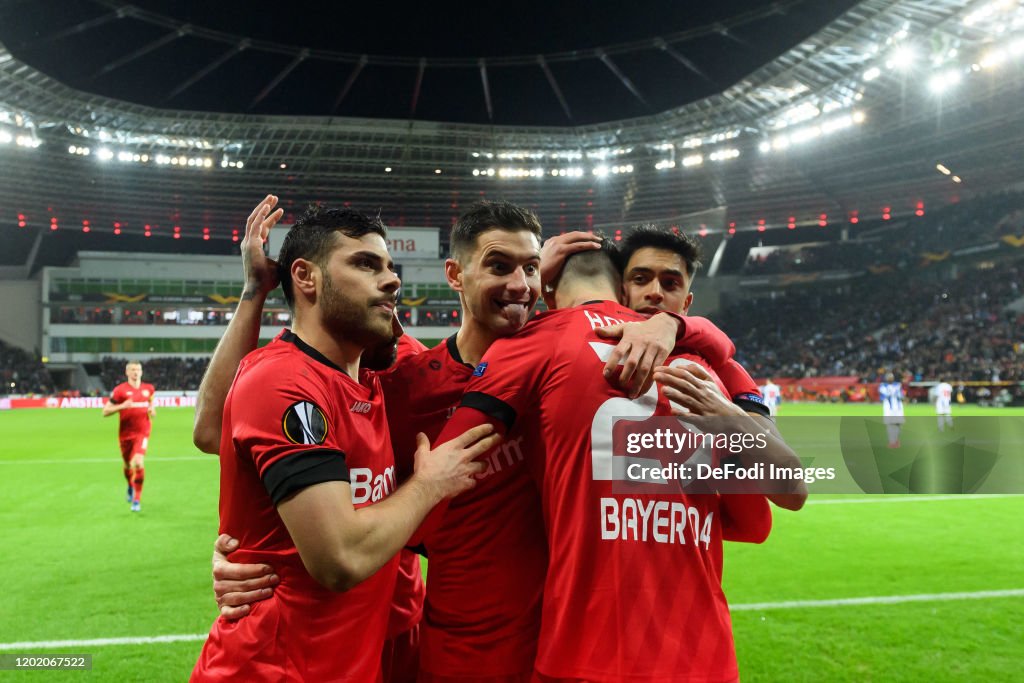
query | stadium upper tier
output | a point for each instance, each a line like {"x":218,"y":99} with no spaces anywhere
{"x":853,"y":118}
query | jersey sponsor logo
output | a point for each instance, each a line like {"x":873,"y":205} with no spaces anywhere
{"x":361,"y":407}
{"x":508,"y":454}
{"x":480,"y":370}
{"x":304,"y":423}
{"x":368,"y":487}
{"x":748,"y":397}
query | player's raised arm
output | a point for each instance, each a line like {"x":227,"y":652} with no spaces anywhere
{"x":242,"y":334}
{"x":341,"y":546}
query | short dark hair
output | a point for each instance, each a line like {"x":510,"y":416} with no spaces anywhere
{"x":655,"y":237}
{"x":312,"y":236}
{"x":487,"y":215}
{"x":604,"y":263}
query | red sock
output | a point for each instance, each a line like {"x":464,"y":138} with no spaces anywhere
{"x":128,"y":474}
{"x":140,"y":476}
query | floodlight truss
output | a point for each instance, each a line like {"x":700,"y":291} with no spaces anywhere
{"x":330,"y":158}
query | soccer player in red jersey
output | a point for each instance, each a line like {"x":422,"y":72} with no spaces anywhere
{"x":633,"y":589}
{"x":133,"y":403}
{"x":307,"y":471}
{"x":468,"y":634}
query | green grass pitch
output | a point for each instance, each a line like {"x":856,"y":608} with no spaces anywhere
{"x":79,"y":566}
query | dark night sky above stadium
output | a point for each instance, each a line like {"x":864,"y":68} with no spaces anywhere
{"x":134,"y":59}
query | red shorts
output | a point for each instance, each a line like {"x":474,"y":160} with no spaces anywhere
{"x":133,"y":445}
{"x":401,"y":659}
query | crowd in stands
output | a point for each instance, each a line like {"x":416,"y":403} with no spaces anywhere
{"x":976,"y":221}
{"x":958,"y":329}
{"x":23,"y":372}
{"x":166,"y":374}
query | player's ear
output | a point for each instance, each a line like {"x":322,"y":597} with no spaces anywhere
{"x":305,"y":275}
{"x":689,"y":300}
{"x":453,"y":273}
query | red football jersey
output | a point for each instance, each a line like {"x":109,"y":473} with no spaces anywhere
{"x":291,"y":420}
{"x":407,"y":603}
{"x":633,"y":590}
{"x":488,"y":557}
{"x":135,"y":420}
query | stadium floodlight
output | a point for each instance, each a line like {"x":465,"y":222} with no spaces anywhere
{"x":992,"y":59}
{"x":942,"y":169}
{"x":765,"y":147}
{"x":476,"y":171}
{"x":858,"y":117}
{"x":124,"y":156}
{"x":104,"y":154}
{"x":387,"y":169}
{"x":902,"y":58}
{"x":600,"y":171}
{"x":693,"y":160}
{"x":872,"y":73}
{"x":5,"y":137}
{"x":956,"y":179}
{"x":941,"y":82}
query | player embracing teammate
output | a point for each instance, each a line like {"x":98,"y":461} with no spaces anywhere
{"x":487,"y":549}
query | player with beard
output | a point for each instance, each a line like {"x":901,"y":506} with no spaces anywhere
{"x":307,"y":472}
{"x":469,"y":634}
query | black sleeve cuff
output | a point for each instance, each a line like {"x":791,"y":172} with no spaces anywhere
{"x":300,"y":470}
{"x":753,"y":406}
{"x":489,"y":405}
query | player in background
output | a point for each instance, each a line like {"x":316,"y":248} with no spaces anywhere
{"x":942,"y":393}
{"x":772,"y":393}
{"x":307,"y":472}
{"x":133,"y":402}
{"x":891,"y":393}
{"x":621,"y":603}
{"x":468,"y":634}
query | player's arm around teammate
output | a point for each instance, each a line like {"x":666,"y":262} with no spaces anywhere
{"x":697,"y":395}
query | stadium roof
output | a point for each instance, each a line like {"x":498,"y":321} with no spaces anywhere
{"x":855,"y":117}
{"x":525,"y":63}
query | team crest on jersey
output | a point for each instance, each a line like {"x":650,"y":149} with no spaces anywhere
{"x":145,"y":392}
{"x":480,"y":370}
{"x":304,"y":423}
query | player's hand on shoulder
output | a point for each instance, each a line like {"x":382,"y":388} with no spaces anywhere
{"x":237,"y":586}
{"x":451,"y":467}
{"x":693,"y":392}
{"x":642,"y":347}
{"x":260,"y":271}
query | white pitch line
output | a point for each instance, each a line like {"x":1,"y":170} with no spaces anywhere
{"x":111,"y":459}
{"x":99,"y":642}
{"x":747,"y":607}
{"x":879,"y":600}
{"x":882,"y":498}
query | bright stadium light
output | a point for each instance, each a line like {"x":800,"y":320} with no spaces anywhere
{"x":5,"y":137}
{"x":872,"y":73}
{"x":941,"y":82}
{"x":104,"y":154}
{"x":600,"y":171}
{"x":693,"y":160}
{"x":992,"y":59}
{"x":902,"y":58}
{"x":942,"y":169}
{"x":765,"y":147}
{"x":956,"y":179}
